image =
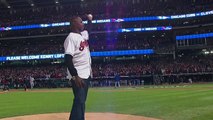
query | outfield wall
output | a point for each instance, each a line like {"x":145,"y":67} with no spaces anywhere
{"x":109,"y":81}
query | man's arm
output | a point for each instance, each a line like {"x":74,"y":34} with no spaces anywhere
{"x":89,"y":24}
{"x":70,"y":65}
{"x":68,"y":61}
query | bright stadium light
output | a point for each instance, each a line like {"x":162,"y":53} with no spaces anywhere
{"x":207,"y":52}
{"x":31,"y":3}
{"x":56,"y":1}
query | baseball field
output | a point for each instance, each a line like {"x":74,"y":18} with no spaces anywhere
{"x":172,"y":102}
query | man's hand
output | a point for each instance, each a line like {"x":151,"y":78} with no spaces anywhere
{"x":79,"y":81}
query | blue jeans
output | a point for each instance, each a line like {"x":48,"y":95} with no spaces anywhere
{"x":80,"y":96}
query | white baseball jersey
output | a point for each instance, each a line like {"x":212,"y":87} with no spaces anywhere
{"x":77,"y":46}
{"x":31,"y":80}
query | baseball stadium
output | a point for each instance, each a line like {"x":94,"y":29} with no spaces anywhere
{"x":106,"y":60}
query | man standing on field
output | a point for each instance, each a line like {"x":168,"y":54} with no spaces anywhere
{"x":78,"y":62}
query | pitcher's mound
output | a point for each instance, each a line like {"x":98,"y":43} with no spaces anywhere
{"x":89,"y":116}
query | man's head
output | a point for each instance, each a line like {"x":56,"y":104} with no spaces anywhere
{"x":77,"y":23}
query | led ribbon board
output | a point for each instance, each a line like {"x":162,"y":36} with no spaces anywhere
{"x":131,"y":19}
{"x":93,"y":54}
{"x":194,"y":36}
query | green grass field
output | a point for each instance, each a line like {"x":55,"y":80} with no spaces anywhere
{"x":190,"y":102}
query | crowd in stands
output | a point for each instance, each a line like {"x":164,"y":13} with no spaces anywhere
{"x":31,"y":50}
{"x":130,"y":41}
{"x":101,"y":9}
{"x":105,"y":42}
{"x":161,"y":66}
{"x":97,"y":42}
{"x":104,"y":28}
{"x":207,"y":29}
{"x":157,"y":66}
{"x":21,"y":74}
{"x":163,"y":41}
{"x":129,"y":8}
